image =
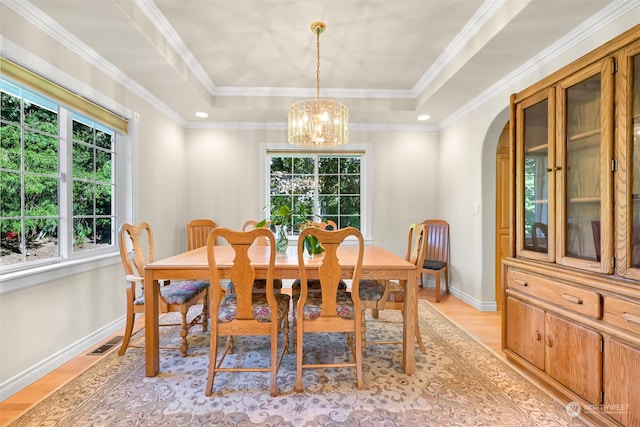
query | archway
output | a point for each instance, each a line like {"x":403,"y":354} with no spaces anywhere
{"x":488,"y":209}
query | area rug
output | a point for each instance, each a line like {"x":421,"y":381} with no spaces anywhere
{"x":458,"y":382}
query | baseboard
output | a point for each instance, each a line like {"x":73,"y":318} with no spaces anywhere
{"x":39,"y":370}
{"x":478,"y":305}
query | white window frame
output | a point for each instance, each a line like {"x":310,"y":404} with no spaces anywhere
{"x":365,"y":171}
{"x":20,"y":276}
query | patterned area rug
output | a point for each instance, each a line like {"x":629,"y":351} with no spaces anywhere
{"x":457,"y":382}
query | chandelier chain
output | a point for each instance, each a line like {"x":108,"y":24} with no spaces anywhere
{"x":318,"y":63}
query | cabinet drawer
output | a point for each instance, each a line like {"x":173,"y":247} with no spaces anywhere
{"x":622,"y":313}
{"x":580,"y":300}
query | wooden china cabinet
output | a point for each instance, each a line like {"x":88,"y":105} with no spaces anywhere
{"x":571,"y":288}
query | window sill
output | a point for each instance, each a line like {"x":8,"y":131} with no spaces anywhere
{"x":18,"y":280}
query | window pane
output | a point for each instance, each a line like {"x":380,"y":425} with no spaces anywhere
{"x":104,"y":195}
{"x":280,"y":183}
{"x":104,"y":231}
{"x":83,"y":163}
{"x":349,"y":205}
{"x":104,"y":139}
{"x":83,"y":197}
{"x":350,"y":184}
{"x":40,"y":118}
{"x":303,"y":165}
{"x":82,"y":233}
{"x":350,"y":165}
{"x":104,"y":170}
{"x":40,"y":196}
{"x":328,"y":165}
{"x":281,"y":164}
{"x":40,"y":153}
{"x":329,"y":205}
{"x":10,"y":147}
{"x":10,"y":195}
{"x":349,"y":221}
{"x":11,"y":242}
{"x":82,"y":132}
{"x":10,"y":105}
{"x":328,"y":184}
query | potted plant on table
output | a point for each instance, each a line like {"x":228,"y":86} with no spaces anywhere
{"x":280,"y":217}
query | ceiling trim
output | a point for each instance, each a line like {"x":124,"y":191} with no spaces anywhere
{"x":595,"y":23}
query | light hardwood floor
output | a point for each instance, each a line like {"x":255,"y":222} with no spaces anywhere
{"x":484,"y":326}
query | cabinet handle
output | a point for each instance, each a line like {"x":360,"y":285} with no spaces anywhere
{"x":549,"y":341}
{"x":572,"y":298}
{"x":538,"y":335}
{"x":520,"y":282}
{"x":630,"y":317}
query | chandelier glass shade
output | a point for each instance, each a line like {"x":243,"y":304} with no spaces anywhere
{"x":318,"y":122}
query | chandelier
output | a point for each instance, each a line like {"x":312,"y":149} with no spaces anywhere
{"x":318,"y":122}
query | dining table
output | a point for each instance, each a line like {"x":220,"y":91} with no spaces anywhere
{"x":378,"y":264}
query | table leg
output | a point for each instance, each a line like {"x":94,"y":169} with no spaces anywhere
{"x":410,"y":317}
{"x":151,"y":324}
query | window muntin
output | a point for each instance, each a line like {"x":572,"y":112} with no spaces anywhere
{"x":317,"y":186}
{"x":33,"y":192}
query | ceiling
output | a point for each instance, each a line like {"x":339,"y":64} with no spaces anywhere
{"x":244,"y":61}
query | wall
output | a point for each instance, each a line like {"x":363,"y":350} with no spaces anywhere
{"x":224,"y":177}
{"x":465,"y":151}
{"x":54,"y":319}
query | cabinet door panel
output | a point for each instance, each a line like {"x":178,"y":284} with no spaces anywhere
{"x":628,"y":154}
{"x":585,"y":182}
{"x":526,"y":331}
{"x":622,"y":383}
{"x":535,"y":185}
{"x":574,"y":357}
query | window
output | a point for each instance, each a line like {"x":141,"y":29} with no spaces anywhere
{"x":317,"y":186}
{"x":57,"y":181}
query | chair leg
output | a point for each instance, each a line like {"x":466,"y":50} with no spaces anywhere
{"x":446,"y":278}
{"x":128,"y":329}
{"x":364,"y":330}
{"x":419,"y":338}
{"x":438,"y":287}
{"x":298,"y":337}
{"x":358,"y":354}
{"x":205,"y":312}
{"x":213,"y":357}
{"x":184,"y":330}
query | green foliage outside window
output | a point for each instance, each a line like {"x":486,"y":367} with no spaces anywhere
{"x":30,"y":184}
{"x":317,"y":187}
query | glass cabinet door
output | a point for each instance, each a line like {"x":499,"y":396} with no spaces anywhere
{"x":584,"y":169}
{"x":535,"y":186}
{"x":628,"y":155}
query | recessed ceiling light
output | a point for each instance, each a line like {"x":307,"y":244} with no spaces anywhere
{"x":424,"y":117}
{"x":202,"y":114}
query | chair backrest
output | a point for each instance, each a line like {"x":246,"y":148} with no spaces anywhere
{"x":251,"y":224}
{"x":197,"y":232}
{"x":416,"y":243}
{"x":143,"y":249}
{"x":329,"y":269}
{"x":437,"y":248}
{"x":325,"y":225}
{"x":242,"y":273}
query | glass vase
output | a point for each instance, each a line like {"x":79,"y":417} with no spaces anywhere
{"x":282,"y":241}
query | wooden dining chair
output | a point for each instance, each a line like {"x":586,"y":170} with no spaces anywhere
{"x":436,"y":259}
{"x":259,"y":285}
{"x":332,"y":310}
{"x":390,"y":295}
{"x":175,"y":296}
{"x":245,"y":312}
{"x":197,"y":232}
